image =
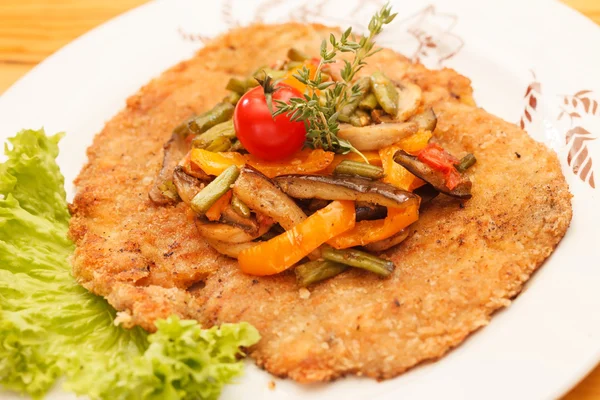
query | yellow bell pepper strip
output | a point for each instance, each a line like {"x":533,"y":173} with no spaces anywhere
{"x":395,"y":174}
{"x":285,"y":250}
{"x":215,"y":211}
{"x":306,"y":161}
{"x":214,"y":163}
{"x":365,"y":232}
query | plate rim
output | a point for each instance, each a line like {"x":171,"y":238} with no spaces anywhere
{"x":583,"y":370}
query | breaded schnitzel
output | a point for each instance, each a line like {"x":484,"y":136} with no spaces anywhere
{"x":461,"y":262}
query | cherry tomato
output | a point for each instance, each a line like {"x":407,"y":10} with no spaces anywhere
{"x":262,"y":135}
{"x":438,"y":158}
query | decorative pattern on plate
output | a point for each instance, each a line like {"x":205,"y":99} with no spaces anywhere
{"x":576,"y":107}
{"x":192,"y":37}
{"x":427,"y":35}
{"x":533,"y":92}
{"x":435,"y":42}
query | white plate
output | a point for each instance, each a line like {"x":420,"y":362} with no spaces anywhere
{"x":550,"y":337}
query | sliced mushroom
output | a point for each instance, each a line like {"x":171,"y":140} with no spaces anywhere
{"x":388,"y":243}
{"x":426,"y":120}
{"x":260,"y":194}
{"x":380,"y":117}
{"x":368,"y":211}
{"x":409,"y":100}
{"x":345,"y":188}
{"x":230,"y":216}
{"x":187,"y":186}
{"x":375,"y":137}
{"x":163,"y":190}
{"x":432,"y":176}
{"x":426,"y":193}
{"x":317,"y":204}
{"x":232,"y":250}
{"x":227,"y":233}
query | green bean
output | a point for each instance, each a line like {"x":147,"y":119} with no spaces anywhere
{"x":252,"y":82}
{"x":220,"y":113}
{"x":237,"y":146}
{"x":355,"y":168}
{"x":221,"y":143}
{"x":360,"y":118}
{"x":214,"y":190}
{"x":232,"y":98}
{"x":348,"y":109}
{"x":237,"y":85}
{"x":276,"y":74}
{"x":183,"y":129}
{"x":169,"y":190}
{"x":262,"y":67}
{"x":358,"y":259}
{"x":296,"y":55}
{"x":317,"y":271}
{"x":466,"y":162}
{"x":293,"y":65}
{"x":369,"y":102}
{"x":224,"y":129}
{"x":240,"y":207}
{"x":385,"y":92}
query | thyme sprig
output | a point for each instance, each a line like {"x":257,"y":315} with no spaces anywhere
{"x":320,"y":112}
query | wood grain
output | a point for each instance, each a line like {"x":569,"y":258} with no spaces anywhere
{"x":31,"y":30}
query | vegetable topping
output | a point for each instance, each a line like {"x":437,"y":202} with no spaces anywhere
{"x":311,"y":162}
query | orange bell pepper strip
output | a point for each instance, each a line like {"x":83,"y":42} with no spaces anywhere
{"x":285,"y":250}
{"x":215,"y":211}
{"x":365,"y":232}
{"x":304,"y":162}
{"x":372,"y":156}
{"x":397,"y":175}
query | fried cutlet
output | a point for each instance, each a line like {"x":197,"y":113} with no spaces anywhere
{"x":461,"y":262}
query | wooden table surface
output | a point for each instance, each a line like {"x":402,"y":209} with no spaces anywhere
{"x":31,"y":30}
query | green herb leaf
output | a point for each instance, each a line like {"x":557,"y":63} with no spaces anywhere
{"x":321,"y":119}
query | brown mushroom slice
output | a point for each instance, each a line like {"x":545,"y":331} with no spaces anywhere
{"x":232,"y":250}
{"x":260,"y":194}
{"x":345,"y":188}
{"x":426,"y":120}
{"x":432,"y":176}
{"x":227,"y":233}
{"x":163,"y":189}
{"x":427,"y":193}
{"x":376,"y":137}
{"x":380,"y":117}
{"x":409,"y":100}
{"x":368,"y":211}
{"x":230,"y":216}
{"x":388,"y":243}
{"x":187,"y":186}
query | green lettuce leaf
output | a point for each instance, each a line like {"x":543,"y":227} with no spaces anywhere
{"x":51,"y":327}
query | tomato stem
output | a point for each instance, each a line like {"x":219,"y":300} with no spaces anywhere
{"x":268,"y":88}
